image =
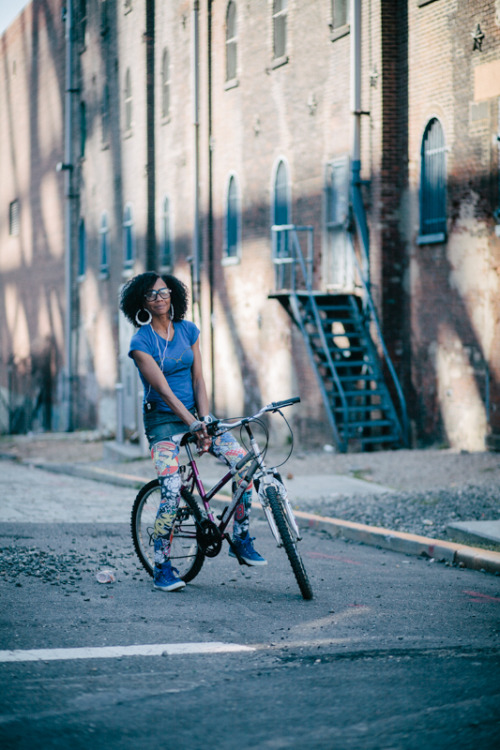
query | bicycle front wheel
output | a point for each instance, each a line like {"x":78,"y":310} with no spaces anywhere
{"x":289,"y":543}
{"x":185,"y":554}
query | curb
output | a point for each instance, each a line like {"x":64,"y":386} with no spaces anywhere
{"x":462,"y":555}
{"x":474,"y":558}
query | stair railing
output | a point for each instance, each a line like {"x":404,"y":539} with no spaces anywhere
{"x":369,"y":306}
{"x":297,"y":256}
{"x":306,"y":267}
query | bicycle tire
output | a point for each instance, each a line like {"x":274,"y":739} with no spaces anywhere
{"x":288,"y":543}
{"x":185,"y":553}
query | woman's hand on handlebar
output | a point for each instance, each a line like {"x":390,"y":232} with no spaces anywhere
{"x":203,"y":439}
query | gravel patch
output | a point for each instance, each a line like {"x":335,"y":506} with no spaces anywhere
{"x":425,"y":513}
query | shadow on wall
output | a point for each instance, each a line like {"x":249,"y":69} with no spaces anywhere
{"x":443,"y":333}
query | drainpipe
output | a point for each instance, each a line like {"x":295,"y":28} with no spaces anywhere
{"x":210,"y":228}
{"x":151,"y":255}
{"x":356,"y":196}
{"x":68,"y":187}
{"x":196,"y":123}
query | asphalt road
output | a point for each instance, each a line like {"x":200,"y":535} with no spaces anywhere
{"x":392,"y":652}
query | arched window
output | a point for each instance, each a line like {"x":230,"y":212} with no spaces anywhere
{"x":281,"y":242}
{"x":105,"y":115}
{"x":82,"y":249}
{"x":104,"y":244}
{"x":127,"y":98}
{"x":83,"y":24}
{"x":166,"y":242}
{"x":433,"y":184}
{"x":281,"y":207}
{"x":232,"y":227}
{"x":231,"y":49}
{"x":279,"y":27}
{"x":165,"y":84}
{"x":104,"y":18}
{"x":128,"y":237}
{"x":83,"y":129}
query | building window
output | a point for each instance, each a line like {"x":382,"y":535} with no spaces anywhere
{"x":83,"y":129}
{"x":166,"y":241}
{"x":231,"y":49}
{"x":279,"y":28}
{"x":233,"y":222}
{"x":128,"y":237}
{"x":281,"y":241}
{"x":165,"y":84}
{"x":104,"y":245}
{"x":104,"y":18}
{"x":83,"y":24}
{"x":105,"y":115}
{"x":14,"y":218}
{"x":82,"y":249}
{"x":433,"y":185}
{"x":127,"y":98}
{"x":281,"y":203}
{"x":340,"y":13}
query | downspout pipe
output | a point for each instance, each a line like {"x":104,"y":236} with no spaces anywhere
{"x":196,"y":126}
{"x":151,"y":254}
{"x":210,"y":227}
{"x":356,"y":195}
{"x":68,"y":220}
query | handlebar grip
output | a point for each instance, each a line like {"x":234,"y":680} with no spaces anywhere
{"x":286,"y":402}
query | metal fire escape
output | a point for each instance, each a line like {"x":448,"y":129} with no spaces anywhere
{"x":359,"y":386}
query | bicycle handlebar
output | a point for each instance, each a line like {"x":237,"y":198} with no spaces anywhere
{"x":273,"y":406}
{"x":217,"y":424}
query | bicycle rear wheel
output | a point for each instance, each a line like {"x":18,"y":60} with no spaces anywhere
{"x":287,"y":537}
{"x":185,"y":554}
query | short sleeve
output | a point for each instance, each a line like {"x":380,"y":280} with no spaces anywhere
{"x":194,"y":333}
{"x":140,"y":343}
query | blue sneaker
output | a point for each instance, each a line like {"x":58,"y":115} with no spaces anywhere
{"x":246,"y":550}
{"x":166,"y":578}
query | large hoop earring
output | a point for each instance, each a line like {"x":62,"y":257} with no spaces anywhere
{"x":172,"y":311}
{"x":143,"y":322}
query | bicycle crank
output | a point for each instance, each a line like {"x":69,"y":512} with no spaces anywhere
{"x":209,"y":538}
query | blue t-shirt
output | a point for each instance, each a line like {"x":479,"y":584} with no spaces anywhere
{"x":175,"y":360}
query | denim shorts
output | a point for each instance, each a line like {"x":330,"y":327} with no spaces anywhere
{"x":161,"y":426}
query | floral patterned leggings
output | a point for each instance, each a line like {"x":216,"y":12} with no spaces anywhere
{"x":165,"y":455}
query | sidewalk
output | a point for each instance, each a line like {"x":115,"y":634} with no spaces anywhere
{"x":419,"y":491}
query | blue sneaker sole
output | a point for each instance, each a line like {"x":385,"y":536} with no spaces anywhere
{"x":248,"y":560}
{"x":170,"y":587}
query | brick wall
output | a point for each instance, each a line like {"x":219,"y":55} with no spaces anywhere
{"x":438,"y":303}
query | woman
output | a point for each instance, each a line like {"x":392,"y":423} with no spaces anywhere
{"x":166,"y":351}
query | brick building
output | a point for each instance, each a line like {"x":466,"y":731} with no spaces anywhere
{"x":196,"y":127}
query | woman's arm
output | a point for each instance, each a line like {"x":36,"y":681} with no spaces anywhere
{"x":199,"y":387}
{"x":156,"y":379}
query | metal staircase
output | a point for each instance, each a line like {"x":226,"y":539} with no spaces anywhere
{"x":338,"y":330}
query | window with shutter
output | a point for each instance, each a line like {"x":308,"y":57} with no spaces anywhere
{"x":279,"y":27}
{"x":166,"y":246}
{"x":433,"y":185}
{"x":128,"y":237}
{"x":231,"y":49}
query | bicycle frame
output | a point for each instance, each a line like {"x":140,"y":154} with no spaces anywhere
{"x":258,"y":471}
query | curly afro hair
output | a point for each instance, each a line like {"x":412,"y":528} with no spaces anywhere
{"x":132,"y":295}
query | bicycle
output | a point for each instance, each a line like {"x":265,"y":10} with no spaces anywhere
{"x":196,"y":534}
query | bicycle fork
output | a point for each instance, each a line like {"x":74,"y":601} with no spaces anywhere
{"x":270,"y":480}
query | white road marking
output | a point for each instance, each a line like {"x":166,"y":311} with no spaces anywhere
{"x":114,"y":652}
